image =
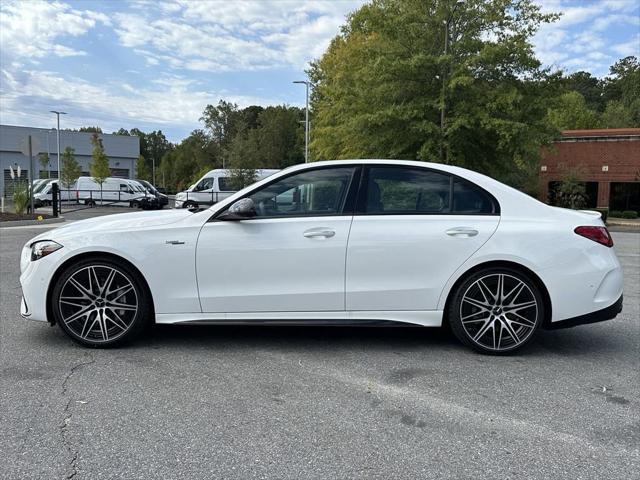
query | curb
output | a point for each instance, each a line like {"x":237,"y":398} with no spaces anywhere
{"x":24,"y":223}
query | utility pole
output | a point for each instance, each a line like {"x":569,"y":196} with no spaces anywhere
{"x":306,"y":122}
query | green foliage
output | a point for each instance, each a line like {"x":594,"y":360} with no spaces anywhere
{"x":20,"y":197}
{"x":571,"y":192}
{"x":615,"y":214}
{"x":70,"y":168}
{"x":570,"y":111}
{"x":90,"y":129}
{"x":99,"y":167}
{"x":43,"y":158}
{"x":142,"y":170}
{"x":629,"y":214}
{"x":379,"y":87}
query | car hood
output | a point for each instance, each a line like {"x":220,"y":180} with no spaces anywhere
{"x":120,"y":221}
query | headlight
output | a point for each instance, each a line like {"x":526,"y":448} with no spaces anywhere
{"x":43,"y":248}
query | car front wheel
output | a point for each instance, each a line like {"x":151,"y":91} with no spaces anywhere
{"x":100,"y":303}
{"x":496,"y":311}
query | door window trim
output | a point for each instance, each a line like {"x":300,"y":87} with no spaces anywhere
{"x":361,"y":210}
{"x":348,"y":204}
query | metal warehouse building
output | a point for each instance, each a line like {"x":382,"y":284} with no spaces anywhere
{"x":606,"y":160}
{"x":122,"y":151}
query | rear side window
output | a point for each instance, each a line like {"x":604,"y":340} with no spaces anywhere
{"x":225,"y":184}
{"x":407,"y":190}
{"x":469,"y":199}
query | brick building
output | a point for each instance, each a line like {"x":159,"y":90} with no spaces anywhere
{"x":607,"y":160}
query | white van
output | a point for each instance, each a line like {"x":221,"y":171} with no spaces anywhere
{"x":42,"y":193}
{"x":116,"y":191}
{"x":212,"y":187}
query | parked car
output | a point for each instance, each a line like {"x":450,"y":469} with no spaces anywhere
{"x":212,"y":187}
{"x":143,"y":199}
{"x":162,"y":198}
{"x":355,"y":242}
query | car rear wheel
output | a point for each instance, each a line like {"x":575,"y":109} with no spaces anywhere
{"x":100,"y":303}
{"x":496,"y":311}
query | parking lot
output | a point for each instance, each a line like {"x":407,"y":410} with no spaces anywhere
{"x":298,"y":403}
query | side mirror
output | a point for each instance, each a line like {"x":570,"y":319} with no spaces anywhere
{"x":240,"y":210}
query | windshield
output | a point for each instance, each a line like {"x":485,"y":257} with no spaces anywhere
{"x":40,"y":187}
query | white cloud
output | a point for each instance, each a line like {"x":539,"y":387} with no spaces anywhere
{"x":580,"y":40}
{"x":27,"y":96}
{"x":32,"y":29}
{"x":632,"y":47}
{"x":233,"y":36}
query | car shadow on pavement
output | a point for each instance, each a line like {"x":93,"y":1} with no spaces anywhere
{"x":581,"y":341}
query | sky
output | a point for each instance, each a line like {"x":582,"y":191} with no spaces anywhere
{"x":156,"y":64}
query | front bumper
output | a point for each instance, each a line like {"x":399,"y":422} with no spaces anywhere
{"x":607,"y":313}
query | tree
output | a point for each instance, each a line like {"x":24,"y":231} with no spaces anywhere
{"x":623,"y":85}
{"x":571,"y":112}
{"x":142,"y":170}
{"x":70,"y":168}
{"x":122,"y":131}
{"x":616,"y":115}
{"x":572,"y":192}
{"x":43,"y":158}
{"x":590,"y":87}
{"x":90,"y":129}
{"x":99,"y":167}
{"x":379,"y":88}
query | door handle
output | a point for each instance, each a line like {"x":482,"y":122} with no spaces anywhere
{"x":319,"y":232}
{"x":462,"y":232}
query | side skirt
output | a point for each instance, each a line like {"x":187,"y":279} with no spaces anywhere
{"x":430,"y":318}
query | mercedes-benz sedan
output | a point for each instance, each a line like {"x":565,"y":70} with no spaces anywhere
{"x":357,"y":242}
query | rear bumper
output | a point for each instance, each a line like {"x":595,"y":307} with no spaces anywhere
{"x":607,"y":313}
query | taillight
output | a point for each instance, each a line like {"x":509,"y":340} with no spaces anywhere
{"x":597,"y":234}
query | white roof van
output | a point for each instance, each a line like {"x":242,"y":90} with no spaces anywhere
{"x":212,"y":187}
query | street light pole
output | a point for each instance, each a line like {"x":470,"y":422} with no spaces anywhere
{"x":306,"y":122}
{"x":443,"y":102}
{"x":58,"y":140}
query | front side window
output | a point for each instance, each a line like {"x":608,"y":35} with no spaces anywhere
{"x":404,"y":190}
{"x":310,"y":193}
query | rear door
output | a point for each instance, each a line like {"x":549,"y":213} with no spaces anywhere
{"x":412,"y":229}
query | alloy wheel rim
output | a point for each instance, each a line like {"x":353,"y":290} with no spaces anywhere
{"x":98,"y":303}
{"x":499,"y":312}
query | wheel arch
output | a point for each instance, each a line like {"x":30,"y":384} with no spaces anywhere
{"x":99,"y":255}
{"x":501,"y":263}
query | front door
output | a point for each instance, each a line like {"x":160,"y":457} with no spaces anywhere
{"x":290,"y":257}
{"x":412,"y":229}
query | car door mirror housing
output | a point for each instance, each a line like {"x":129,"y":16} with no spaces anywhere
{"x":239,"y":210}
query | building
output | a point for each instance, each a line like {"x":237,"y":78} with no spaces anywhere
{"x":607,"y":160}
{"x":122,"y":151}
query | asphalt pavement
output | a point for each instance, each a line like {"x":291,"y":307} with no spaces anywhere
{"x":318,"y":403}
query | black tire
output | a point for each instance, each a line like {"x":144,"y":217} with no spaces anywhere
{"x":508,"y":317}
{"x":110,"y":319}
{"x":190,"y":204}
{"x":134,"y":204}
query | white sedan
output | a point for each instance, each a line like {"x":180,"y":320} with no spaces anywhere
{"x":357,"y":242}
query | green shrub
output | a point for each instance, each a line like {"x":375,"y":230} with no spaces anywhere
{"x":629,"y":214}
{"x":615,"y":213}
{"x":20,"y":197}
